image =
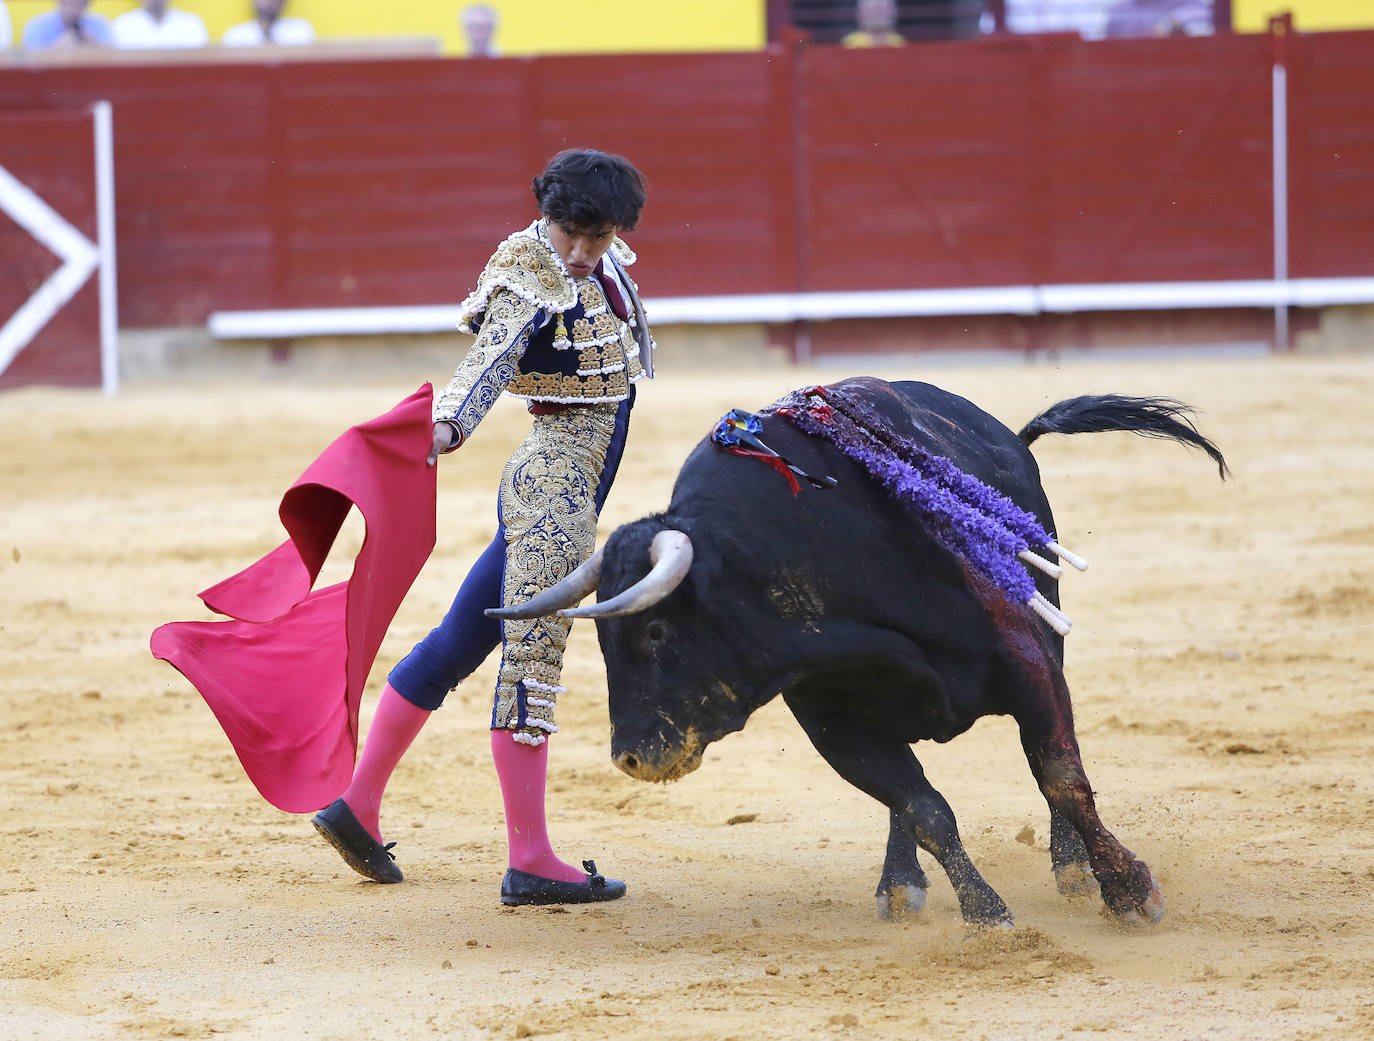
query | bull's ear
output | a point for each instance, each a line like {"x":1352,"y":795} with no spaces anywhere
{"x":700,"y":579}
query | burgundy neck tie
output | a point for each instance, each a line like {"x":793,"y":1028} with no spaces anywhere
{"x":612,"y":291}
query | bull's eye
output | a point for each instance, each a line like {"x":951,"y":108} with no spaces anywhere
{"x":657,"y":642}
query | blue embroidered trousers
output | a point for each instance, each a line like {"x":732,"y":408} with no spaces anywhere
{"x":552,"y":491}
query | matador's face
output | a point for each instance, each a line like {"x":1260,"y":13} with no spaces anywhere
{"x":580,"y":249}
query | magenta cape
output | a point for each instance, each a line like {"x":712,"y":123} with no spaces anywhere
{"x":285,"y":674}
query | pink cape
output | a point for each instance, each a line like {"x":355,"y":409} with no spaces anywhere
{"x":284,"y":676}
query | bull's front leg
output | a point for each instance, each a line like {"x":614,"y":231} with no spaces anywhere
{"x":902,"y":887}
{"x":1047,"y":736}
{"x":885,"y":768}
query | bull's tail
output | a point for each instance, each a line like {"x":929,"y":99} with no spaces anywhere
{"x":1149,"y":417}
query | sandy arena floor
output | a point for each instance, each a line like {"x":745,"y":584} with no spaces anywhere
{"x":1221,"y":661}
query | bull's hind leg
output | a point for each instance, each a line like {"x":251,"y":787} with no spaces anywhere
{"x":1073,"y":872}
{"x":1047,"y":736}
{"x":885,"y":768}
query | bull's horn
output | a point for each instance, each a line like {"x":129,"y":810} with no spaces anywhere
{"x":671,"y":556}
{"x":569,"y":591}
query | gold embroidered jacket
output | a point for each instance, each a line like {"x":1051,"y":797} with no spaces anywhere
{"x":542,"y":335}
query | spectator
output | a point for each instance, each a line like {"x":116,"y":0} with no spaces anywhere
{"x":269,"y":27}
{"x":6,"y":27}
{"x":67,"y":25}
{"x":156,"y":24}
{"x":479,"y":27}
{"x":877,"y":25}
{"x":1088,"y":18}
{"x":1160,"y":18}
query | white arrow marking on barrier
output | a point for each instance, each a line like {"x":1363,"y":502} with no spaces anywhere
{"x":78,"y":255}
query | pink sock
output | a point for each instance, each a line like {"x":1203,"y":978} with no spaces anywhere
{"x":522,"y":770}
{"x":393,"y":728}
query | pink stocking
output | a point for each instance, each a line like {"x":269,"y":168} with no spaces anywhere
{"x":522,"y":770}
{"x":393,"y":728}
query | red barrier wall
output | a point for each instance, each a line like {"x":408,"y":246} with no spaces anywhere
{"x":66,"y":350}
{"x":1039,"y":160}
{"x":1331,"y":150}
{"x":1008,"y":160}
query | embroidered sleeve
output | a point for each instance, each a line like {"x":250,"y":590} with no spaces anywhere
{"x":525,"y":266}
{"x":490,"y":364}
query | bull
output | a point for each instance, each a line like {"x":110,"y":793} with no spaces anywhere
{"x":876,"y":635}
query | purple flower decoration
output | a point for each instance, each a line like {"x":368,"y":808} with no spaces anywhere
{"x":970,"y":519}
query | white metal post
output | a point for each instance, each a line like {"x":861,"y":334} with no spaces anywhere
{"x":102,"y":115}
{"x":1280,"y":178}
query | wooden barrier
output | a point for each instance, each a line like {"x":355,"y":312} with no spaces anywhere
{"x":57,"y":322}
{"x":1002,"y":162}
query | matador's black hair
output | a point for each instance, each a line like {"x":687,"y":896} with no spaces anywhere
{"x":586,"y":189}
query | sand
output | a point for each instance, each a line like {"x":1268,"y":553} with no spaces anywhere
{"x":1220,"y":661}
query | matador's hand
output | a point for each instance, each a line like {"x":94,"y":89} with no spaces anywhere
{"x":445,"y":439}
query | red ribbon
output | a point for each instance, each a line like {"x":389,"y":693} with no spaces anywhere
{"x":776,"y":462}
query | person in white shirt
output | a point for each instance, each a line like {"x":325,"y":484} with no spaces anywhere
{"x":479,"y":23}
{"x":6,"y":27}
{"x":1088,"y":18}
{"x":156,"y":24}
{"x":268,"y":27}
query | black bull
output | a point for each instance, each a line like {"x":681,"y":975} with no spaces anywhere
{"x":874,"y":634}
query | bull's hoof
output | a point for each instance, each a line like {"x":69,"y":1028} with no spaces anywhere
{"x":900,"y":901}
{"x":1075,"y":879}
{"x":1150,"y":912}
{"x":1004,"y":921}
{"x":982,"y":908}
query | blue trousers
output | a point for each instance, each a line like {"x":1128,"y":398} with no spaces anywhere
{"x":462,"y":641}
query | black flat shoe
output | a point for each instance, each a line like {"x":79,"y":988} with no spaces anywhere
{"x":520,"y":887}
{"x":360,"y":850}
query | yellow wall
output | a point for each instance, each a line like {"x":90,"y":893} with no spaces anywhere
{"x":1308,"y":15}
{"x":583,"y":26}
{"x":527,"y":26}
